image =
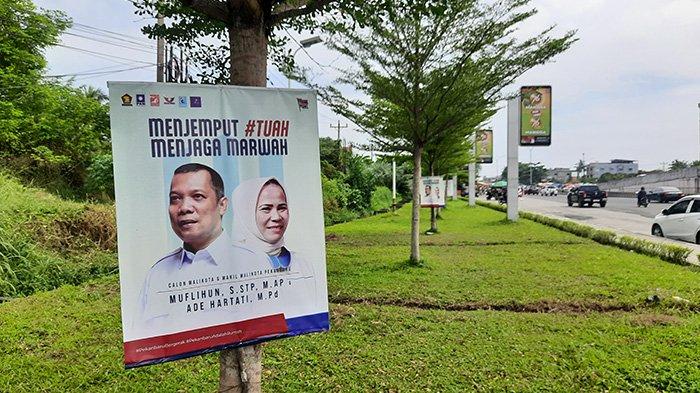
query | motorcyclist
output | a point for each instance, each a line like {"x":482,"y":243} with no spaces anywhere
{"x":641,"y":197}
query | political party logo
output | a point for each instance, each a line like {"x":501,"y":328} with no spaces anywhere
{"x":168,"y":100}
{"x":140,"y":100}
{"x":303,"y":104}
{"x":182,"y":101}
{"x":155,"y":100}
{"x":126,"y":100}
{"x":195,"y":102}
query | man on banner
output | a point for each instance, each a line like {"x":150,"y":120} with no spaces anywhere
{"x":207,"y":256}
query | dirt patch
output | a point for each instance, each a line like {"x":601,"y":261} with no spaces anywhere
{"x":341,"y":312}
{"x":649,"y":320}
{"x":94,"y":226}
{"x":331,"y":237}
{"x":537,"y":307}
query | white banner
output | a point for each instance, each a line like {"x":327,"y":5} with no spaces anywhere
{"x":219,"y":217}
{"x":432,"y":191}
{"x":451,"y":188}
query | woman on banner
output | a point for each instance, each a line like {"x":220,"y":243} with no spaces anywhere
{"x":261,"y":217}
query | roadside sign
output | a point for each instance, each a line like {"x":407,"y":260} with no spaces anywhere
{"x":535,"y":115}
{"x":432,"y":191}
{"x":219,"y":218}
{"x":484,"y":146}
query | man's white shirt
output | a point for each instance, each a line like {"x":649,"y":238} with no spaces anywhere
{"x":186,"y":290}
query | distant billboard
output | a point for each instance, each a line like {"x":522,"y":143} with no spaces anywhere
{"x":484,"y":146}
{"x":432,"y":191}
{"x":535,"y":115}
{"x":450,"y":188}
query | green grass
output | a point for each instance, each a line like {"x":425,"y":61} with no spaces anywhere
{"x":70,"y":340}
{"x":46,"y":242}
{"x":467,"y":320}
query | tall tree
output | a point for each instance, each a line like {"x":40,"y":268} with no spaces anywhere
{"x":539,"y":172}
{"x":429,"y":67}
{"x":231,"y":40}
{"x":580,"y":167}
{"x":242,"y":31}
{"x":678,"y":164}
{"x":24,"y":35}
{"x":49,"y":132}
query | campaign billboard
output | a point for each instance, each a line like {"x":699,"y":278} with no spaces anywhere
{"x":219,"y":217}
{"x":432,"y":191}
{"x":450,"y":190}
{"x":535,"y":115}
{"x":484,"y":146}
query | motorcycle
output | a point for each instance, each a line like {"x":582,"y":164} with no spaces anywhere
{"x":643,"y":201}
{"x":503,"y":197}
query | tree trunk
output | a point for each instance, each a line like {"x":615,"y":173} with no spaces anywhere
{"x":240,"y":369}
{"x":433,"y":211}
{"x":415,"y":212}
{"x":248,"y":55}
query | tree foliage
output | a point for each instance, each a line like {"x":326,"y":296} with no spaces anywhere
{"x":539,"y":172}
{"x":225,"y":37}
{"x":48,"y":131}
{"x":678,"y":164}
{"x":433,"y":71}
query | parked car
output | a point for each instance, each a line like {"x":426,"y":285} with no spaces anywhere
{"x":664,"y":194}
{"x":549,"y":191}
{"x":587,"y":194}
{"x":680,"y":221}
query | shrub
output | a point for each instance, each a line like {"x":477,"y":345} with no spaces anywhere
{"x":100,"y":177}
{"x":667,"y":252}
{"x":381,"y":199}
{"x":604,"y":237}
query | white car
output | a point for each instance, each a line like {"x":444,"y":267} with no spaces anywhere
{"x":680,"y":221}
{"x":549,"y":191}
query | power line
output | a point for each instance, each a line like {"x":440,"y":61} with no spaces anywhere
{"x":98,"y":73}
{"x":121,"y":35}
{"x":84,"y":72}
{"x":116,"y":72}
{"x":303,"y":49}
{"x":108,"y":43}
{"x":102,"y":54}
{"x":111,"y":37}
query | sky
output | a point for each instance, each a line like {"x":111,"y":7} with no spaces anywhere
{"x":628,"y":88}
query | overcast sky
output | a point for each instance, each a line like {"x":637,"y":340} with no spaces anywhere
{"x":629,"y":88}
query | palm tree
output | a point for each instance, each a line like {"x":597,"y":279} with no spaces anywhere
{"x":94,"y":93}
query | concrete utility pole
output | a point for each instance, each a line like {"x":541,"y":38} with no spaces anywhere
{"x":393,"y":184}
{"x":339,"y":127}
{"x":160,"y":53}
{"x":512,"y":153}
{"x":531,"y":165}
{"x":472,"y":174}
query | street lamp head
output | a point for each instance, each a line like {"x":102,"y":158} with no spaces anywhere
{"x":310,"y":41}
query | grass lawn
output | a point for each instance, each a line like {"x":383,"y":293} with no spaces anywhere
{"x":46,"y":242}
{"x":462,"y":322}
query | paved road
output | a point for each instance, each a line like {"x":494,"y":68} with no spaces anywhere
{"x":620,"y":215}
{"x":625,"y":205}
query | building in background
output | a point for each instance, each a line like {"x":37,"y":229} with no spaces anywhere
{"x":559,"y":175}
{"x":617,"y":166}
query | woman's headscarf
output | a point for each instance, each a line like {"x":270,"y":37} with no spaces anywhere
{"x":245,"y":227}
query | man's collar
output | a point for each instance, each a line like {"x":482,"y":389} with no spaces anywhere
{"x":216,"y":250}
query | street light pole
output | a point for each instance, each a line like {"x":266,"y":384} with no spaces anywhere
{"x":531,"y":165}
{"x":304,"y":44}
